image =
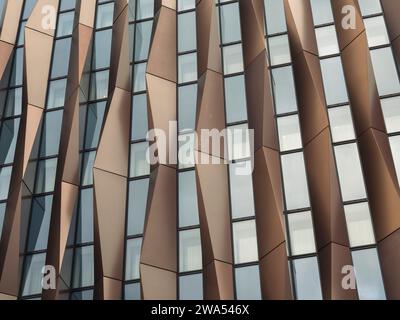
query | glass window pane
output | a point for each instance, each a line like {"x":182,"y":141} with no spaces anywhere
{"x":295,"y":181}
{"x":46,"y":176}
{"x":327,"y":40}
{"x":187,"y":66}
{"x":334,"y":81}
{"x":279,"y":50}
{"x":391,"y":112}
{"x":359,"y":225}
{"x":105,"y":15}
{"x":187,"y":31}
{"x":190,"y":250}
{"x":385,"y":71}
{"x":61,"y":58}
{"x":275,"y":15}
{"x":245,"y":242}
{"x":83,"y":267}
{"x":241,"y":188}
{"x":139,"y":117}
{"x":370,"y":7}
{"x":376,"y":31}
{"x":230,"y":23}
{"x":142,"y":40}
{"x":235,"y":99}
{"x":350,"y":173}
{"x":50,"y":143}
{"x":86,"y":295}
{"x":395,"y":146}
{"x":301,"y":233}
{"x":99,"y":85}
{"x":102,"y":49}
{"x":186,"y":4}
{"x":289,"y":133}
{"x":188,"y":209}
{"x":132,"y":291}
{"x":87,"y":170}
{"x":39,"y":223}
{"x":139,"y":82}
{"x":133,"y":250}
{"x":67,"y":5}
{"x":8,"y":140}
{"x":248,"y":283}
{"x":32,"y":283}
{"x":341,"y":124}
{"x":85,"y":217}
{"x":18,"y":67}
{"x":187,"y":107}
{"x":5,"y":177}
{"x":285,"y":94}
{"x":145,"y":9}
{"x":28,"y":7}
{"x":14,"y":103}
{"x":95,"y":116}
{"x":191,"y":287}
{"x":56,"y":95}
{"x":306,"y":279}
{"x":368,"y":275}
{"x":65,"y":24}
{"x":321,"y":11}
{"x":239,"y":142}
{"x":139,"y":164}
{"x":233,"y":59}
{"x":186,"y":150}
{"x":137,"y":202}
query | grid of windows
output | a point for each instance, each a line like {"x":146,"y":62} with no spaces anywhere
{"x":351,"y":179}
{"x":141,"y":15}
{"x":245,"y":250}
{"x":93,"y":101}
{"x":43,"y":160}
{"x":190,"y":280}
{"x":303,"y":260}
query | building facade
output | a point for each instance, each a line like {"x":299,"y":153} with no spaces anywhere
{"x":314,"y":86}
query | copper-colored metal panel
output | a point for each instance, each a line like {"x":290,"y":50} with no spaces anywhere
{"x":390,"y":261}
{"x":36,"y":21}
{"x":391,"y":9}
{"x":311,"y":98}
{"x":218,"y":280}
{"x":210,"y":112}
{"x":253,"y":30}
{"x":299,"y":23}
{"x":6,"y":50}
{"x":113,"y":150}
{"x":346,"y":36}
{"x":9,"y":29}
{"x":214,"y":213}
{"x":112,"y":289}
{"x":381,"y":182}
{"x":332,"y":259}
{"x":110,"y":199}
{"x":325,"y":197}
{"x":86,"y":13}
{"x":38,"y":51}
{"x":162,"y":56}
{"x":326,"y":202}
{"x":260,"y":106}
{"x":160,"y":242}
{"x":6,"y":297}
{"x":120,"y":71}
{"x":360,"y":79}
{"x":208,"y":50}
{"x":157,"y":284}
{"x":171,"y":4}
{"x":268,"y":201}
{"x":274,"y":274}
{"x":162,"y":111}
